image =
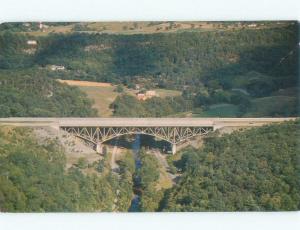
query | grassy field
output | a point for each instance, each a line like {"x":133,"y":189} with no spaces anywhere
{"x":143,"y":27}
{"x":182,"y":114}
{"x":103,"y":94}
{"x":164,"y":181}
{"x":102,"y":97}
{"x":125,"y":27}
{"x":167,"y":93}
{"x":53,"y":29}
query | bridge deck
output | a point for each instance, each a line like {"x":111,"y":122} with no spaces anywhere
{"x":140,"y":122}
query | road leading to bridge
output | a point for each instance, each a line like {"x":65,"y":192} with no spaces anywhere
{"x":141,"y":122}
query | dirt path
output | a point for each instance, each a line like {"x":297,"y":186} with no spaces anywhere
{"x":162,"y":159}
{"x":167,"y":179}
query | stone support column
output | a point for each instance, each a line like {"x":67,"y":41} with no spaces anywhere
{"x":173,"y":149}
{"x":99,"y":148}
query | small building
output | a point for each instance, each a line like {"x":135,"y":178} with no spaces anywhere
{"x":147,"y":95}
{"x":252,"y":25}
{"x":57,"y":67}
{"x":137,"y":86}
{"x":141,"y":96}
{"x":32,"y":42}
{"x":43,"y":26}
{"x":150,"y":93}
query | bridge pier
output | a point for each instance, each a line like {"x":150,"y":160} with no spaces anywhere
{"x":173,"y":149}
{"x":99,"y":148}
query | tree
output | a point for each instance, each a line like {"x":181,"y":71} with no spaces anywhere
{"x":119,"y":89}
{"x":135,"y":25}
{"x":82,"y":163}
{"x":33,"y":178}
{"x":241,"y":171}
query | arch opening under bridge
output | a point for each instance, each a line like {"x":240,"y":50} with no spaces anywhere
{"x":173,"y":135}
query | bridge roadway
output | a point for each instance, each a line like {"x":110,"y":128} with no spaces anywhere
{"x":172,"y":130}
{"x":140,"y":122}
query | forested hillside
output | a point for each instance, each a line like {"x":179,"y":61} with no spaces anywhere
{"x":31,"y":94}
{"x":33,"y":179}
{"x":253,"y":170}
{"x":224,"y":72}
{"x":172,"y":60}
{"x":227,"y":69}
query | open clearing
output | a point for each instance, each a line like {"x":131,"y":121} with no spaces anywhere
{"x":100,"y":92}
{"x":167,"y":93}
{"x":125,"y":27}
{"x":142,"y":27}
{"x":85,"y":83}
{"x":165,"y":179}
{"x":103,"y":94}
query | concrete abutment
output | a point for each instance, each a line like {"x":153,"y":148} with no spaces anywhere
{"x":99,"y":148}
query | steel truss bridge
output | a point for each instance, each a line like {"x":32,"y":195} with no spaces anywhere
{"x":173,"y":130}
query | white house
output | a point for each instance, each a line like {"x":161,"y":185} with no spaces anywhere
{"x":147,"y":95}
{"x":57,"y":67}
{"x":252,"y":25}
{"x":150,"y":93}
{"x":32,"y":42}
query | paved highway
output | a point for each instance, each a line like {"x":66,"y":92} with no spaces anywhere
{"x":140,"y":122}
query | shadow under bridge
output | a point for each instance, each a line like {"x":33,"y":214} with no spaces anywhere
{"x":175,"y":135}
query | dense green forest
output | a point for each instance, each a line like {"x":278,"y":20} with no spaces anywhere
{"x":228,"y":72}
{"x":31,"y":94}
{"x":237,"y":72}
{"x":33,"y":179}
{"x":174,"y":59}
{"x":253,"y":170}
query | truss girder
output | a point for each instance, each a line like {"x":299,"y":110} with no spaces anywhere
{"x":173,"y":135}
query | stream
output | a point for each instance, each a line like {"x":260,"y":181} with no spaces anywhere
{"x":136,"y":145}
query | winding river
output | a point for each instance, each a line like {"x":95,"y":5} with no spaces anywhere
{"x":136,"y":145}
